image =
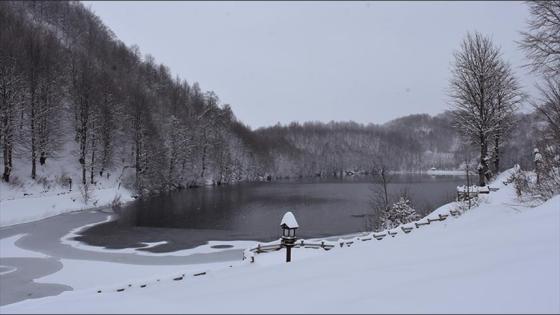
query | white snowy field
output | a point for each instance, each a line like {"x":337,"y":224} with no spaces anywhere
{"x":501,"y":257}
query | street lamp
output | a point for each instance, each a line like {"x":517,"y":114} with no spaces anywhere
{"x":289,"y":226}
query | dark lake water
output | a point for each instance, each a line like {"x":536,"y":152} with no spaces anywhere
{"x":252,"y":211}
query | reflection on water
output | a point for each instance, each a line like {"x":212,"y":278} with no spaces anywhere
{"x":253,"y":210}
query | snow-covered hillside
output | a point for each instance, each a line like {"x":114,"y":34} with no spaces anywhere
{"x":500,"y":257}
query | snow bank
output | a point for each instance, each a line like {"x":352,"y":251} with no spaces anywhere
{"x":501,"y":257}
{"x":39,"y":206}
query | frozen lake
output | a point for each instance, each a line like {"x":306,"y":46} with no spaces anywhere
{"x":252,"y":211}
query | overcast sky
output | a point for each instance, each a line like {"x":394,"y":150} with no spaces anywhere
{"x":301,"y":61}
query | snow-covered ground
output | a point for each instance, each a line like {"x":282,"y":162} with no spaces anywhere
{"x":44,"y":205}
{"x":25,"y":200}
{"x":501,"y":257}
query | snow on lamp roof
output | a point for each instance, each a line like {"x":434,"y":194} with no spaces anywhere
{"x":289,"y":220}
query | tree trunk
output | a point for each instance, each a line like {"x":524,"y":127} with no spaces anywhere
{"x":83,"y":159}
{"x":172,"y":159}
{"x":483,"y":163}
{"x":386,"y":195}
{"x":496,"y":154}
{"x":83,"y":155}
{"x":6,"y":135}
{"x":138,"y":160}
{"x":468,"y":184}
{"x":33,"y":144}
{"x":203,"y":162}
{"x":7,"y":161}
{"x":92,"y":174}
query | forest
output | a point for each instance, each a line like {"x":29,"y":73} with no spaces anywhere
{"x":70,"y":90}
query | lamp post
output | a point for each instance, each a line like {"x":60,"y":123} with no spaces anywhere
{"x":289,"y":226}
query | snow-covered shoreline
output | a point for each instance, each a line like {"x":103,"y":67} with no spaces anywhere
{"x":433,"y":172}
{"x":41,"y":206}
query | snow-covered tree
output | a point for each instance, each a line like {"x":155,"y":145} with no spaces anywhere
{"x":507,"y":100}
{"x":401,"y":212}
{"x":484,"y":94}
{"x":542,"y":46}
{"x":11,"y":102}
{"x":542,"y":42}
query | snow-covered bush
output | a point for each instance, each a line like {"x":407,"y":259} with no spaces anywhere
{"x":548,"y":172}
{"x":543,"y":183}
{"x":399,"y":213}
{"x":521,"y":183}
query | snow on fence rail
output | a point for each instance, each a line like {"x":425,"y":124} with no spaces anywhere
{"x":302,"y":243}
{"x":466,"y":192}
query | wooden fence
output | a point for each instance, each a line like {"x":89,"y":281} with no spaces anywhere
{"x":327,"y":245}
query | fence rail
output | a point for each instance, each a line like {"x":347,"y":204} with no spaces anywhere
{"x":277,"y":246}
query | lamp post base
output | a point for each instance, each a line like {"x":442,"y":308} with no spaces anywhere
{"x":288,"y":243}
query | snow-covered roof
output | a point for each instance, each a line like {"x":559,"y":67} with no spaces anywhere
{"x":289,"y":220}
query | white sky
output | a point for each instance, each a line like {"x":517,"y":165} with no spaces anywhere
{"x":320,"y":61}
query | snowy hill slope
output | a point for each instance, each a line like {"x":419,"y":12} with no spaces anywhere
{"x":501,"y":257}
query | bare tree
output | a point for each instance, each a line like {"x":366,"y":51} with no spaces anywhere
{"x":541,"y":44}
{"x":379,"y":198}
{"x":542,"y":41}
{"x":83,"y":94}
{"x":549,"y":107}
{"x":11,"y":101}
{"x":508,"y":99}
{"x":49,"y":99}
{"x":474,"y":85}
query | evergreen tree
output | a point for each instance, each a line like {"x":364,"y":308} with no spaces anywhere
{"x":399,"y":213}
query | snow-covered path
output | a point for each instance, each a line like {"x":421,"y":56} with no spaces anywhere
{"x":501,"y":257}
